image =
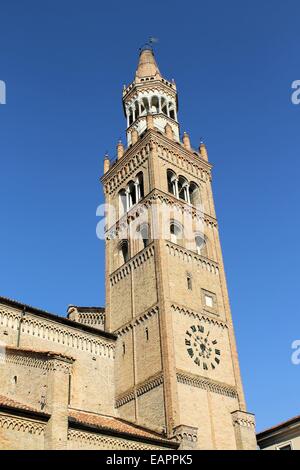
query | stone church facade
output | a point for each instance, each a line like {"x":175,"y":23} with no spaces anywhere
{"x":157,"y":368}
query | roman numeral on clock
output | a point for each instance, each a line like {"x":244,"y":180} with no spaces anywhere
{"x":190,"y":351}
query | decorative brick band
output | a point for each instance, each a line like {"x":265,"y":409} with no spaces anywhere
{"x":125,"y":168}
{"x":192,"y":257}
{"x":138,"y":320}
{"x":200,"y":316}
{"x":243,"y":419}
{"x":206,"y":384}
{"x":52,"y":332}
{"x":92,"y":440}
{"x":134,"y":263}
{"x":139,"y":390}
{"x":21,"y":425}
{"x":149,"y":200}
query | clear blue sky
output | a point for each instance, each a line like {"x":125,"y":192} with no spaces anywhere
{"x":64,"y":63}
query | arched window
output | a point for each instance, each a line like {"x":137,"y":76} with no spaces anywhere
{"x":130,"y":117}
{"x":172,"y":110}
{"x":136,"y":109}
{"x":172,"y":183}
{"x":144,"y":106}
{"x":201,"y":246}
{"x":183,"y":189}
{"x":154,"y":104}
{"x":124,"y":251}
{"x":194,"y":193}
{"x":131,"y":194}
{"x":164,"y":108}
{"x":145,"y":235}
{"x":122,"y":202}
{"x":176,"y":232}
{"x":140,"y":186}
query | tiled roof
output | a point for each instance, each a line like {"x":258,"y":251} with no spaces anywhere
{"x":5,"y":401}
{"x":110,"y":423}
{"x":11,"y":403}
{"x":100,"y":422}
{"x":277,"y":427}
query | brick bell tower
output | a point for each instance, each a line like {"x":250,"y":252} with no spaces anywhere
{"x":177,"y":367}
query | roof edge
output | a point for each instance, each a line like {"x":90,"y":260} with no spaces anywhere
{"x":54,"y":317}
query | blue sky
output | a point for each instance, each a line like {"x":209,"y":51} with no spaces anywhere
{"x":64,"y":64}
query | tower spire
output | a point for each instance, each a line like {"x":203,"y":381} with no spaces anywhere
{"x":147,"y":66}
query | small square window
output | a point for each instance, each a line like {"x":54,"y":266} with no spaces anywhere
{"x":209,"y":301}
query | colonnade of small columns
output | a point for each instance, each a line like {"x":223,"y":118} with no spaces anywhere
{"x":157,"y":104}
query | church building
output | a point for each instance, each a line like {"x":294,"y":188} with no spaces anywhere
{"x":157,"y":368}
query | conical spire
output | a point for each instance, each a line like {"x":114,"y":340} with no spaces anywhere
{"x":147,"y":66}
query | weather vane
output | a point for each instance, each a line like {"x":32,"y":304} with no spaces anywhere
{"x":152,"y":40}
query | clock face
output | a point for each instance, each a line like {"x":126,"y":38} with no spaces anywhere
{"x":202,"y":349}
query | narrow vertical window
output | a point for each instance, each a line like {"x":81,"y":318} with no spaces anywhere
{"x":124,"y":349}
{"x":124,"y":251}
{"x":147,"y":334}
{"x":144,"y":231}
{"x":176,"y":232}
{"x":69,"y":390}
{"x":189,"y":282}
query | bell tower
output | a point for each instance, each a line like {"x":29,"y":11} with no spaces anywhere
{"x":177,"y":369}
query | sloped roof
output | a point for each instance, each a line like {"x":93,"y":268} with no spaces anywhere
{"x":9,"y":404}
{"x":278,"y":427}
{"x":118,"y":426}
